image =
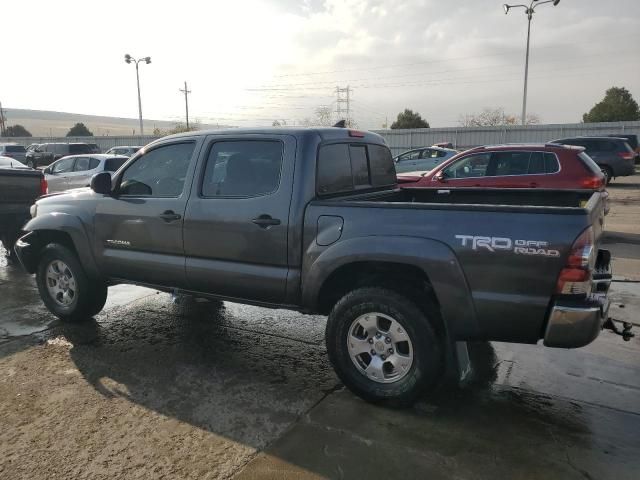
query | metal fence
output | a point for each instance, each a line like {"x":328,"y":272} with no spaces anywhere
{"x":105,"y":143}
{"x":401,"y":140}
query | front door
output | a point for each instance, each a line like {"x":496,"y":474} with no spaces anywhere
{"x":237,"y":219}
{"x":139,"y":228}
{"x":58,"y":179}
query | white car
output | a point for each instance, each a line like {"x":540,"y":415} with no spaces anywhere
{"x":75,"y":171}
{"x":127,"y":151}
{"x":8,"y":162}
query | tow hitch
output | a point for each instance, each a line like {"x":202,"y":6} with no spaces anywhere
{"x":625,"y":333}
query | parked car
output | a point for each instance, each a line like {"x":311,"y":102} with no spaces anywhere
{"x":8,"y":162}
{"x":19,"y":188}
{"x":514,"y":166}
{"x":47,"y":153}
{"x":632,"y":140}
{"x":401,"y":278}
{"x":95,"y":148}
{"x":126,"y":151}
{"x":422,"y":159}
{"x":613,"y":155}
{"x":75,"y":171}
{"x":13,"y":150}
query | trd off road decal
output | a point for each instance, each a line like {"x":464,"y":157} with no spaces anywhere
{"x":520,"y":247}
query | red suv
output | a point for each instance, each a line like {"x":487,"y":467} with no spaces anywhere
{"x":513,"y":166}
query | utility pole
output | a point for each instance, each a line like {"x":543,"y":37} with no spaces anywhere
{"x":343,"y":96}
{"x":3,"y":127}
{"x":186,"y":92}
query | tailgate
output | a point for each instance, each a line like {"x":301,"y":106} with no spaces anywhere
{"x":18,"y":190}
{"x":596,"y":208}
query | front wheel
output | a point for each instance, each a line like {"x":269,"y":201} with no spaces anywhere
{"x":383,"y":347}
{"x":31,"y":164}
{"x":64,"y":286}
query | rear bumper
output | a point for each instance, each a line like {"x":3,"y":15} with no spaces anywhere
{"x":576,"y":323}
{"x":574,"y":326}
{"x":626,"y":169}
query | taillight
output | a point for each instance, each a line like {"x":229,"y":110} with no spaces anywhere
{"x":593,"y":183}
{"x":627,"y":155}
{"x":44,"y":187}
{"x":575,"y":277}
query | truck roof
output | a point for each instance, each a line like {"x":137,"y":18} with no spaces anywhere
{"x":326,"y":133}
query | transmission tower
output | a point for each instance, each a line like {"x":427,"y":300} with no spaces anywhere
{"x":343,"y":97}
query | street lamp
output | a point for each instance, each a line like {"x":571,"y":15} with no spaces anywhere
{"x":529,"y":11}
{"x":128,"y":58}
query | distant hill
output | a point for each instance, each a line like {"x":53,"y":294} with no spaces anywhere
{"x":43,"y":123}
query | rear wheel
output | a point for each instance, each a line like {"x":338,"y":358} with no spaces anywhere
{"x":65,"y":288}
{"x":383,"y":347}
{"x":608,"y":174}
{"x":8,"y":242}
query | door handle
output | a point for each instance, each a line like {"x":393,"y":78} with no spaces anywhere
{"x":265,"y":221}
{"x":170,"y":216}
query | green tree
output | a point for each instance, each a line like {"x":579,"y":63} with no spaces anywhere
{"x":16,"y":131}
{"x":618,"y":105}
{"x":79,"y":130}
{"x":409,"y":119}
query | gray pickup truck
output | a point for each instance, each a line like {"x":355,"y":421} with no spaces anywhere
{"x":19,"y":188}
{"x":312,"y":220}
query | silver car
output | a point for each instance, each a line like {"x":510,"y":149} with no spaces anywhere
{"x":422,"y":159}
{"x":75,"y":171}
{"x":126,"y":151}
{"x":13,"y":150}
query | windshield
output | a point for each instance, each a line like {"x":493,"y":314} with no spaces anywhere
{"x":418,"y":165}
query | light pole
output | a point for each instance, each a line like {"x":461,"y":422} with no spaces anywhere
{"x":529,"y":11}
{"x":128,"y":58}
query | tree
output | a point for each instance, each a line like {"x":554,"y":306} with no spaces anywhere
{"x":494,"y":117}
{"x":409,"y":119}
{"x":16,"y":131}
{"x":618,"y":105}
{"x":178,"y":128}
{"x":79,"y":130}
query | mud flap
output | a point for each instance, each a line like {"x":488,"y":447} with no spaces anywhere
{"x":458,"y":365}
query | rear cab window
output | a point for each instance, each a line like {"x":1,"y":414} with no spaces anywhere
{"x":347,"y":167}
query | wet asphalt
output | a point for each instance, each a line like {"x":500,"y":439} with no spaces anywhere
{"x":255,"y":389}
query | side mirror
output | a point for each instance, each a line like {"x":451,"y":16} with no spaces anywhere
{"x":440,"y":177}
{"x":101,"y":183}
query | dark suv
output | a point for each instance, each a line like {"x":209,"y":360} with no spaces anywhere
{"x":613,"y":155}
{"x":47,"y":153}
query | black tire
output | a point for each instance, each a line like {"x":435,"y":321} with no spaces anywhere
{"x":89,"y":296}
{"x":608,"y":174}
{"x":31,"y":164}
{"x":8,"y":242}
{"x":427,"y":366}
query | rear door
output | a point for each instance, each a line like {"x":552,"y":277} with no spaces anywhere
{"x":236,"y":224}
{"x":138,"y":230}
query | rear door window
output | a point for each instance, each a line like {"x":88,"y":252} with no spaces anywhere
{"x":82,"y":164}
{"x":113,"y":164}
{"x":510,"y":163}
{"x":243,"y":168}
{"x":15,"y":149}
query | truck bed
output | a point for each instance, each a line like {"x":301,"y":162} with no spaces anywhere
{"x":510,"y":292}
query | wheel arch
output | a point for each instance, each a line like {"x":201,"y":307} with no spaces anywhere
{"x":392,"y":262}
{"x":56,"y":228}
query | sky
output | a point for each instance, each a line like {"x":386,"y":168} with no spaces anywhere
{"x":250,"y":62}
